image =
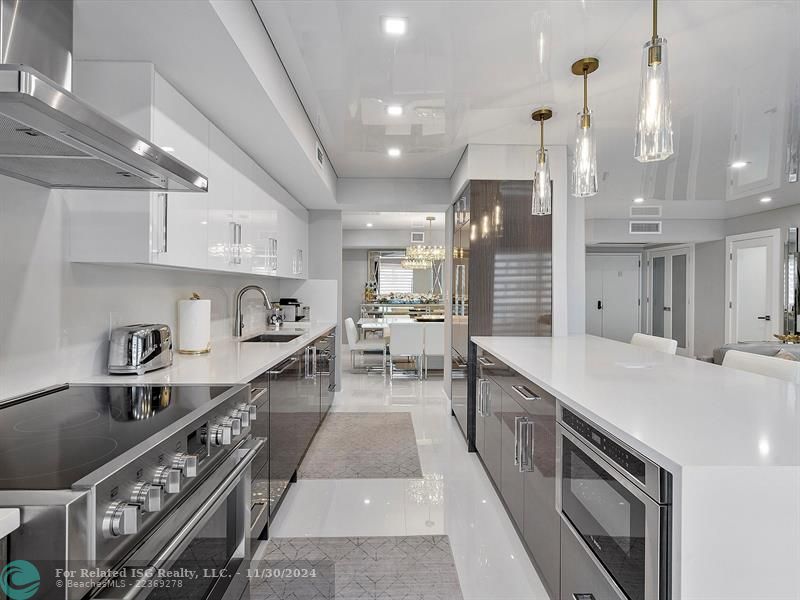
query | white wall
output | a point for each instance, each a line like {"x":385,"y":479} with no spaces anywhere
{"x":55,"y":316}
{"x":674,"y":231}
{"x":387,"y":239}
{"x":709,"y":276}
{"x":354,"y":276}
{"x":393,"y":194}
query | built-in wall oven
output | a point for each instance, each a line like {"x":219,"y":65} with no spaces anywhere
{"x":616,"y":515}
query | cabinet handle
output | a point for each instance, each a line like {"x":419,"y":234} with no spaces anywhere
{"x":486,"y":362}
{"x":163,"y":245}
{"x":517,"y":422}
{"x":525,"y":393}
{"x":580,"y":596}
{"x":285,"y":366}
{"x":486,"y":394}
{"x":236,"y":243}
{"x":481,"y":397}
{"x":527,"y":431}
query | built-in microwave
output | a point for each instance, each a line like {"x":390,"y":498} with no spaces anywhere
{"x":617,"y":505}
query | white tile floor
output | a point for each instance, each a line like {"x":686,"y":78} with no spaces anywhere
{"x":454,"y":497}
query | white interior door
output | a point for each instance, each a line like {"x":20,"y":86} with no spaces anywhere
{"x":613,"y":284}
{"x":753,"y":287}
{"x":671,"y":296}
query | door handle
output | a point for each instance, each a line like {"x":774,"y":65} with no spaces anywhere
{"x":285,"y":366}
{"x":765,"y":318}
{"x":599,"y":305}
{"x":526,"y":464}
{"x":667,"y":309}
{"x":525,"y":393}
{"x":517,"y":422}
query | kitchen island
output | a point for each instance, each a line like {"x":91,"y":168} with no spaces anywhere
{"x":730,"y":439}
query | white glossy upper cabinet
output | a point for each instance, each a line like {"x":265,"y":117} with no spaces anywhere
{"x":141,"y":227}
{"x":182,"y":130}
{"x":293,"y":242}
{"x":220,"y":228}
{"x":262,"y":235}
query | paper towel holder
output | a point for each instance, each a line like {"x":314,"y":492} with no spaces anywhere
{"x":207,"y":349}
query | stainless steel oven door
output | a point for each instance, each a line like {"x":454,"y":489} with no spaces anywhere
{"x":615,"y":520}
{"x":207,"y":535}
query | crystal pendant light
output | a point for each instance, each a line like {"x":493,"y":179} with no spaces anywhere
{"x":542,"y":185}
{"x":584,"y":164}
{"x":654,"y":126}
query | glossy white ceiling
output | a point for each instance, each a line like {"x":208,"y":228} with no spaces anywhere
{"x":392,"y":220}
{"x":471,"y":71}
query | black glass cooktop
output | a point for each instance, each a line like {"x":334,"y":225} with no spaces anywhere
{"x":51,"y":441}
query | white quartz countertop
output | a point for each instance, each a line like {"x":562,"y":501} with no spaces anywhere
{"x":230,"y":361}
{"x":677,"y":411}
{"x":9,"y":521}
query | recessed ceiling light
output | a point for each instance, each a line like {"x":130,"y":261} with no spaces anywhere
{"x":393,"y":152}
{"x":369,"y":224}
{"x":638,"y":200}
{"x":394,"y":110}
{"x":394,"y":25}
{"x":766,"y":199}
{"x":738,"y":164}
{"x":168,"y":148}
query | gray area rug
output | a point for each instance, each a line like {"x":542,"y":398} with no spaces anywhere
{"x":363,"y":446}
{"x":410,"y":567}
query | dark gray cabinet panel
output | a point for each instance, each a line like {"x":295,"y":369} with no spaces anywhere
{"x":516,"y":423}
{"x":493,"y":432}
{"x":512,"y":481}
{"x":542,"y":522}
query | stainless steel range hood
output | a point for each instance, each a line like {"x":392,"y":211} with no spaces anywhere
{"x":50,"y":137}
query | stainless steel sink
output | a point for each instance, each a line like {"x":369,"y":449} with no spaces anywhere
{"x":273,"y":337}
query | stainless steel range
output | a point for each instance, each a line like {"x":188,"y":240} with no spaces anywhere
{"x":117,"y":477}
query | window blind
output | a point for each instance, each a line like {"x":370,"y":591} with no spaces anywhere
{"x":394,"y":279}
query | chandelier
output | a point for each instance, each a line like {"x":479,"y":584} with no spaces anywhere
{"x":421,"y":256}
{"x":415,"y":263}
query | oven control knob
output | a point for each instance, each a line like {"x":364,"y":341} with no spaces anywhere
{"x":187,"y":463}
{"x":148,"y":496}
{"x":220,"y":435}
{"x":169,"y":479}
{"x":252,"y":409}
{"x":243,"y":416}
{"x":235,"y":424}
{"x":121,"y":518}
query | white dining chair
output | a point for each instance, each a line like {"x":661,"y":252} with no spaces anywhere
{"x":434,"y":342}
{"x":653,"y":342}
{"x":359,"y":346}
{"x":406,"y":339}
{"x":771,"y":366}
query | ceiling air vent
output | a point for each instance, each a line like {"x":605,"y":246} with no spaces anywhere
{"x":320,"y":155}
{"x":644,"y":227}
{"x":645,"y":211}
{"x":417,"y":237}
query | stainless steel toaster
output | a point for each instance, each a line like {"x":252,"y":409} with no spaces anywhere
{"x":137,"y":349}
